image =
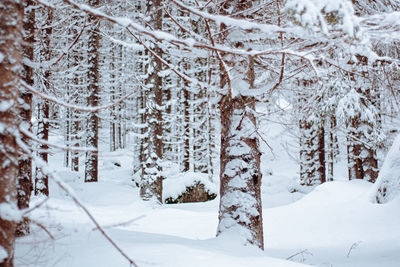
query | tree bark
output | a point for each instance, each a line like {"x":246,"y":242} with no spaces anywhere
{"x":24,"y":180}
{"x":92,"y":134}
{"x":11,"y":23}
{"x":41,"y":179}
{"x":151,"y":184}
{"x":240,"y":211}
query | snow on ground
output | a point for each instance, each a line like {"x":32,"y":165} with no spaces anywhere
{"x":334,"y":225}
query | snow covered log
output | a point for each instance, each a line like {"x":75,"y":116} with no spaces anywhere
{"x":188,"y":187}
{"x":387,"y":186}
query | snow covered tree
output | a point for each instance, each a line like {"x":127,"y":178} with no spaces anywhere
{"x":240,"y":193}
{"x":362,"y":123}
{"x":151,"y":183}
{"x":41,"y":179}
{"x":92,"y":134}
{"x":11,"y":27}
{"x":24,"y":185}
{"x":312,"y":136}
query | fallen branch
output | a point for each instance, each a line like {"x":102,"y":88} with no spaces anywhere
{"x":121,"y":223}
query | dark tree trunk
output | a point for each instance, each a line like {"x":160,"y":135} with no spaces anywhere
{"x":363,"y":133}
{"x":312,"y":139}
{"x":332,"y":147}
{"x":354,"y":152}
{"x":151,"y":184}
{"x":41,"y":179}
{"x":186,"y":147}
{"x":75,"y":116}
{"x":91,"y":163}
{"x":24,"y":181}
{"x":11,"y":23}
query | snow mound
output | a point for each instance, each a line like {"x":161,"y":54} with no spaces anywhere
{"x":387,"y":186}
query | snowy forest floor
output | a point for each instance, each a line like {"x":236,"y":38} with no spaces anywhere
{"x":334,"y":225}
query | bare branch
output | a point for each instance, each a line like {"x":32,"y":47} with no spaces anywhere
{"x":41,"y":226}
{"x":75,"y":107}
{"x":34,"y":138}
{"x":74,"y":43}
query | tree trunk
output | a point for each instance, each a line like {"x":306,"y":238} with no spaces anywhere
{"x":312,"y":139}
{"x":332,"y":147}
{"x":363,"y":126}
{"x":151,"y":184}
{"x":24,"y":180}
{"x":41,"y":179}
{"x":11,"y":21}
{"x":92,"y":134}
{"x":240,"y":206}
{"x":240,"y":211}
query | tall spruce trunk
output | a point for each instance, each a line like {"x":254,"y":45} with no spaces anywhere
{"x":75,"y":115}
{"x":92,"y":133}
{"x":240,"y":206}
{"x":11,"y":23}
{"x":312,"y":139}
{"x":240,"y":211}
{"x":24,"y":181}
{"x":151,"y":183}
{"x":362,"y":132}
{"x":41,"y":179}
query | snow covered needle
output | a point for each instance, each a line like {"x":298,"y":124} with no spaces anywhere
{"x":321,"y":15}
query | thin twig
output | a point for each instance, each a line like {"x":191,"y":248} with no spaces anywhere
{"x":298,"y":253}
{"x":41,"y":226}
{"x":27,"y":211}
{"x":121,"y":223}
{"x":74,"y":43}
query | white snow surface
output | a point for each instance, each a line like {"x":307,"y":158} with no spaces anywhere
{"x":334,"y":225}
{"x":3,"y":254}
